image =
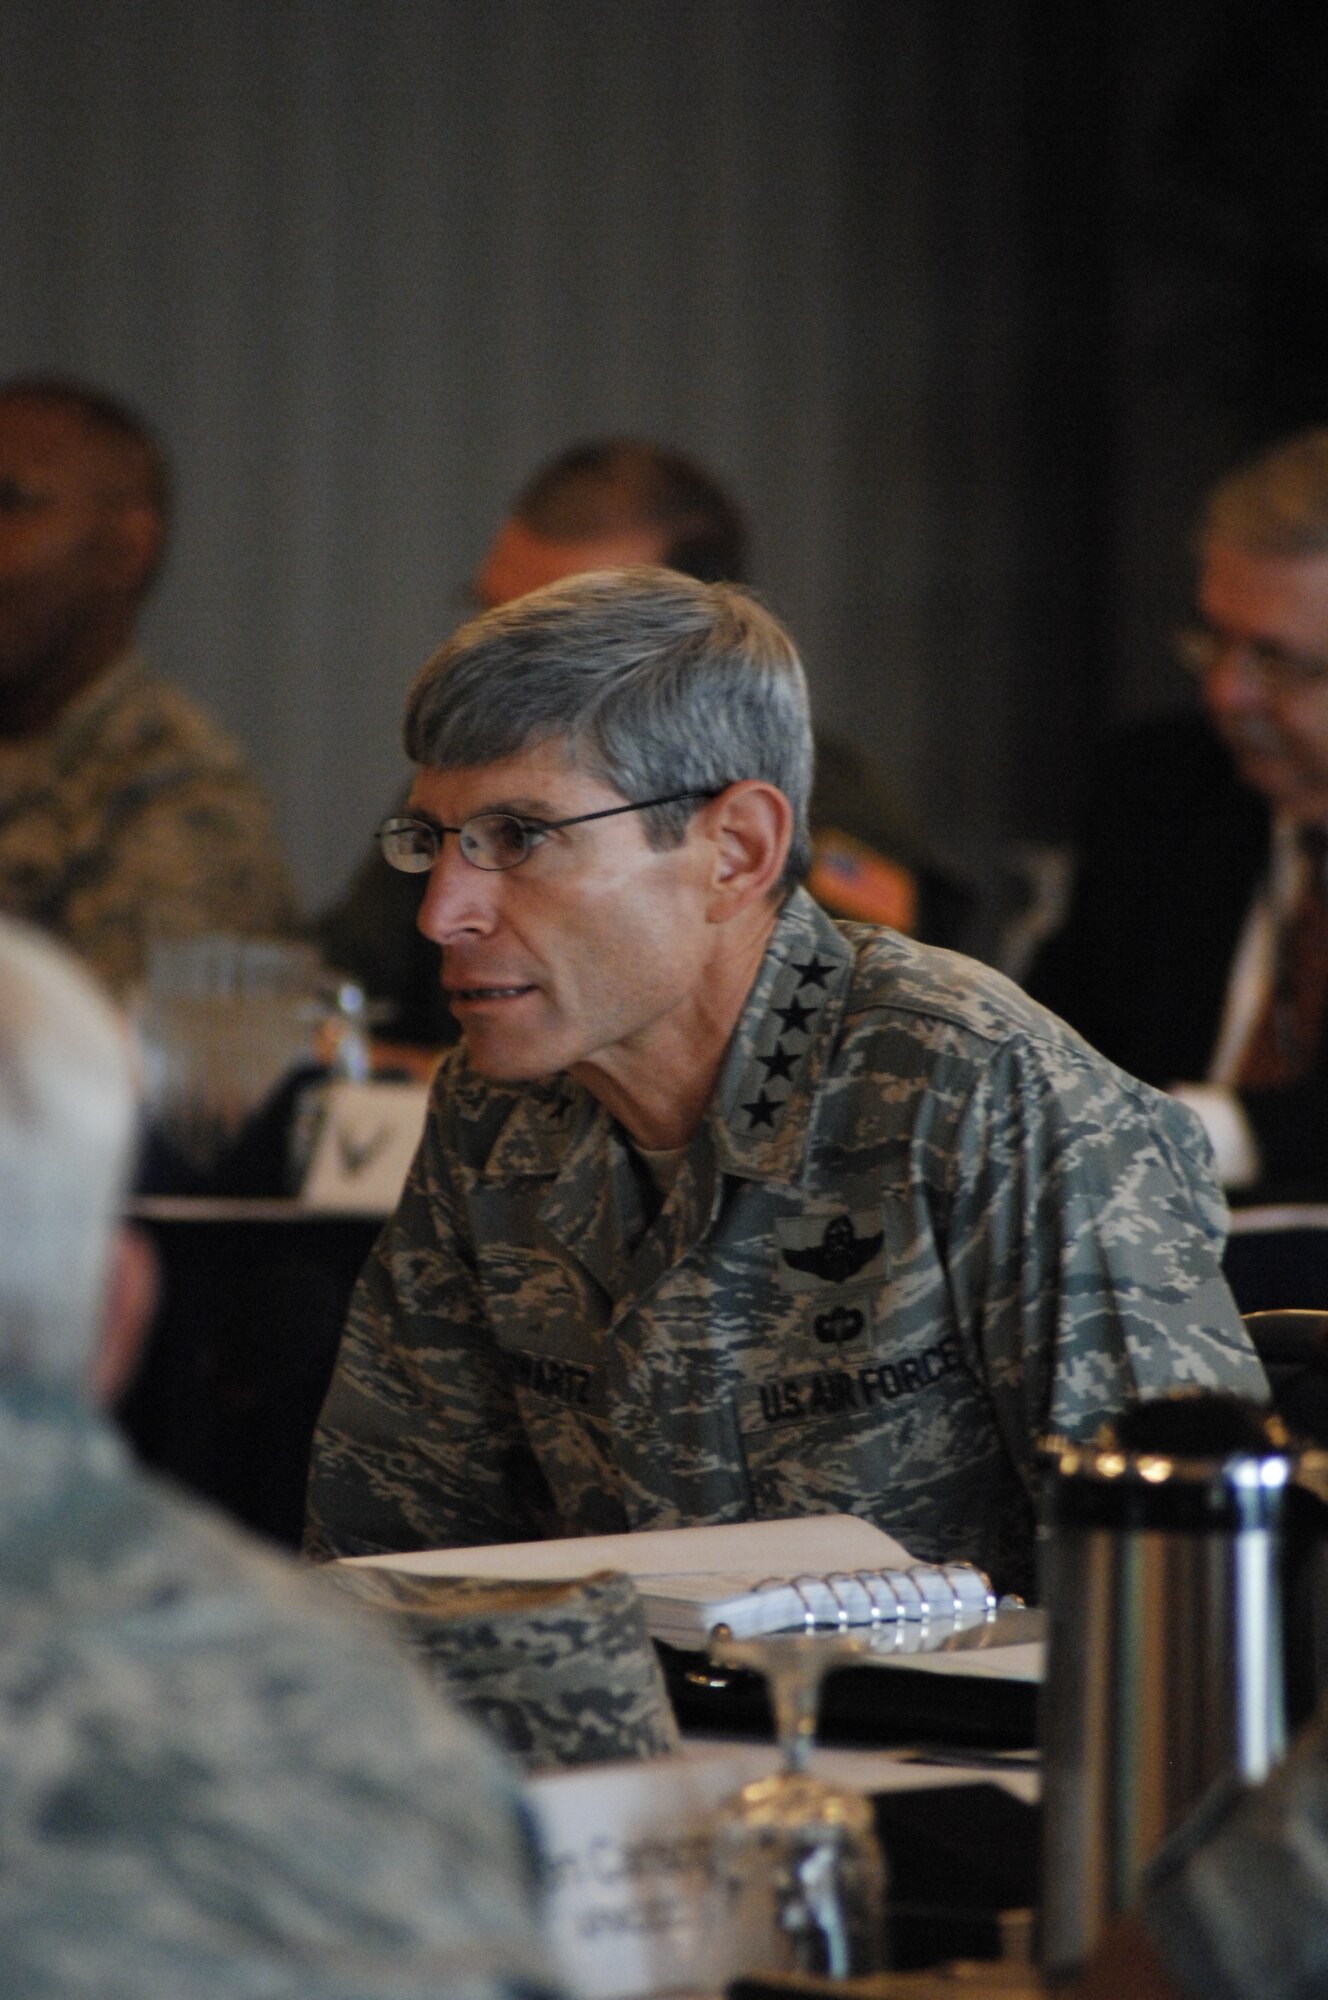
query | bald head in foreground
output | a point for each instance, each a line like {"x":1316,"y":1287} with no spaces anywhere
{"x":211,"y":1784}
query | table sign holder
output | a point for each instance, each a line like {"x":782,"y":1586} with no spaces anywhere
{"x":367,"y":1138}
{"x":628,"y":1852}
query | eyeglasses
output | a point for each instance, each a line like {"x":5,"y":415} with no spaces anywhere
{"x":493,"y":840}
{"x":1199,"y":648}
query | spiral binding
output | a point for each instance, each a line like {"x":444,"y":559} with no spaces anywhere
{"x":888,"y":1596}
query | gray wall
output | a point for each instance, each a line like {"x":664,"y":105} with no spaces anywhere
{"x":367,"y":261}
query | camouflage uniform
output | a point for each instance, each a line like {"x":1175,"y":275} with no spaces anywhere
{"x":216,"y":1780}
{"x":134,"y":817}
{"x":560,"y":1673}
{"x":920,"y":1223}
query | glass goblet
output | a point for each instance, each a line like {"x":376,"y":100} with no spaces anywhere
{"x":799,"y":1880}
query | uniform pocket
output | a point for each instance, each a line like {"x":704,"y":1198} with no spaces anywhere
{"x":908,"y":1441}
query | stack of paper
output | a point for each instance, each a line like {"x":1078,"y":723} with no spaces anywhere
{"x":750,"y":1576}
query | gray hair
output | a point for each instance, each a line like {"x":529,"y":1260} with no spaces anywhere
{"x":1277,"y":503}
{"x":655,"y":682}
{"x":66,"y":1130}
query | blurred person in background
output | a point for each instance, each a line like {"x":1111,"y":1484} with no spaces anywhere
{"x":610,"y":504}
{"x":126,"y":814}
{"x":1195,"y":952}
{"x":212,"y":1783}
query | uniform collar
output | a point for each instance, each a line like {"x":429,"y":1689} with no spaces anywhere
{"x":50,"y":1439}
{"x":757,"y":1120}
{"x":547,"y":1120}
{"x":77,"y":721}
{"x":761,"y":1109}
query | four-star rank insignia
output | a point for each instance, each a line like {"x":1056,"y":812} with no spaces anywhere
{"x":797,"y":1016}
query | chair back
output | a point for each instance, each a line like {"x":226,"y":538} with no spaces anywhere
{"x":1293,"y":1347}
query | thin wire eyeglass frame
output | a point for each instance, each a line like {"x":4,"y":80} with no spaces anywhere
{"x":426,"y":836}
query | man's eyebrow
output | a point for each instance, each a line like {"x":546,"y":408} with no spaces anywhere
{"x":522,"y":807}
{"x":414,"y":811}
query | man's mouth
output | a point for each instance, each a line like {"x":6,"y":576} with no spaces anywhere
{"x":460,"y":995}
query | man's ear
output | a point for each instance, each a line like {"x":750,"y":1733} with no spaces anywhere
{"x":132,"y":1289}
{"x":750,"y":825}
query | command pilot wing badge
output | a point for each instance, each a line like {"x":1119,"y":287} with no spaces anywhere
{"x":841,"y":1253}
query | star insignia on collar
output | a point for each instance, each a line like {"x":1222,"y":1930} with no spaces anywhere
{"x":795,"y":1016}
{"x":778,"y":1063}
{"x":816,"y":971}
{"x":762,"y":1112}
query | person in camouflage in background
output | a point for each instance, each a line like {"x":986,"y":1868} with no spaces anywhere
{"x":125,"y":812}
{"x":725,"y":1210}
{"x":215,"y":1784}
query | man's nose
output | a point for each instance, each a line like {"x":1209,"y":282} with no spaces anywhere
{"x":458,"y":897}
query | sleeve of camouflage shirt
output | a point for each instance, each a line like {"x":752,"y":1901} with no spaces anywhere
{"x":1085,"y":1234}
{"x":1237,"y":1904}
{"x":397,"y":1462}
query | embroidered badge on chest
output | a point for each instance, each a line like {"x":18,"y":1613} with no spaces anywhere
{"x":816,"y":1253}
{"x":839,"y":1324}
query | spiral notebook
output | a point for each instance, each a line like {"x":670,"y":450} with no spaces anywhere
{"x":750,"y":1576}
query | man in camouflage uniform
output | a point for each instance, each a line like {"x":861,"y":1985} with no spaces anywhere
{"x":215,"y":1784}
{"x":724,"y":1210}
{"x":125,"y":813}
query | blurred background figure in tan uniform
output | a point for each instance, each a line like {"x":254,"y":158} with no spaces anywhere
{"x":126,"y":814}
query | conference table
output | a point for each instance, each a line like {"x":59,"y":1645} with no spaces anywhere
{"x":254,"y":1296}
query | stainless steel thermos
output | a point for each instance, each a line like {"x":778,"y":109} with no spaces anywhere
{"x":1162,"y":1577}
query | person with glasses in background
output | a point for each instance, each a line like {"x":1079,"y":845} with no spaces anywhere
{"x":1195,"y":950}
{"x":725,"y":1211}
